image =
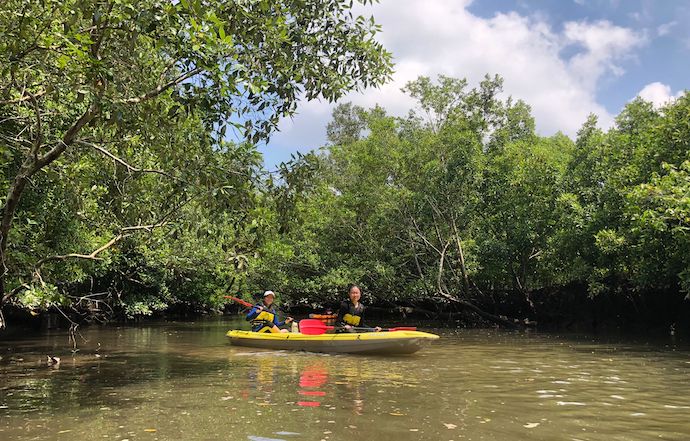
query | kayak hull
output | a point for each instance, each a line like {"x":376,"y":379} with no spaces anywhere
{"x":369,"y":343}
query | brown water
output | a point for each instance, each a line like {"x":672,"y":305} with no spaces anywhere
{"x":183,"y":381}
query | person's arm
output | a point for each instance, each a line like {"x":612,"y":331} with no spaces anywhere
{"x":277,"y":322}
{"x":361,"y":317}
{"x":344,"y":309}
{"x":362,"y":323}
{"x":251,"y":315}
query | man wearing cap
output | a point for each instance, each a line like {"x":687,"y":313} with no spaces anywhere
{"x":263,"y":317}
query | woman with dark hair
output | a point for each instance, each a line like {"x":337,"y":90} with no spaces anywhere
{"x":351,"y":312}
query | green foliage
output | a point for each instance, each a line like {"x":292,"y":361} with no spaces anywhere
{"x":37,"y":298}
{"x":519,"y":202}
{"x":118,"y":180}
{"x":462,"y":193}
{"x":121,"y":191}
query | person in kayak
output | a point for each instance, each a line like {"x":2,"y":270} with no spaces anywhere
{"x":351,"y":312}
{"x":263,"y":317}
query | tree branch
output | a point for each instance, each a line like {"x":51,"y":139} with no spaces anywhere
{"x":91,"y":256}
{"x":67,"y":138}
{"x":38,"y":139}
{"x":439,"y":279}
{"x":160,"y":89}
{"x":24,"y":98}
{"x":480,"y":312}
{"x":125,"y":164}
{"x":422,"y":236}
{"x":465,"y":278}
{"x":14,"y":292}
{"x":95,"y":35}
{"x":124,"y":232}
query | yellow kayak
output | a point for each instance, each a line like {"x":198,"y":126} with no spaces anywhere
{"x":372,"y":343}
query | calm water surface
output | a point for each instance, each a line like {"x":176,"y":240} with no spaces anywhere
{"x":183,"y":381}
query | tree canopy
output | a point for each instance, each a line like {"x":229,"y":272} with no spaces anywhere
{"x":462,"y":200}
{"x":132,"y":183}
{"x":115,"y":116}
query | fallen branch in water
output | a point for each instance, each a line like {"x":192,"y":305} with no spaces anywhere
{"x":500,"y":320}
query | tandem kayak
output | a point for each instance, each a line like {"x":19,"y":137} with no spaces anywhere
{"x":372,"y":343}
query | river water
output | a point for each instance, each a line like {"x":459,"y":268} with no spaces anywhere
{"x":183,"y":381}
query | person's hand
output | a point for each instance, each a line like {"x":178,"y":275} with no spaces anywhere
{"x":348,"y":327}
{"x":377,"y":329}
{"x":289,"y":320}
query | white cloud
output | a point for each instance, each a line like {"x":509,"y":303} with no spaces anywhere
{"x":604,"y":44}
{"x":443,"y":37}
{"x":658,"y":94}
{"x":665,"y":29}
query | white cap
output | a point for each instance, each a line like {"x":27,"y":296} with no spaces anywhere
{"x":269,"y":293}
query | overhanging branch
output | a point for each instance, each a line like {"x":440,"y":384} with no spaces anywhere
{"x":125,"y":164}
{"x":124,"y":232}
{"x":161,"y":88}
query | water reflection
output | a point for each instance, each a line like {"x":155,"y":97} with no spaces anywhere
{"x":183,"y":381}
{"x":318,"y":380}
{"x":312,"y":378}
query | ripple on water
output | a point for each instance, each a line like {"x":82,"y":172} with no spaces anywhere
{"x":459,"y":396}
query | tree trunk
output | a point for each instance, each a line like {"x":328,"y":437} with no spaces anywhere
{"x":463,"y":269}
{"x":13,"y":196}
{"x":32,"y":164}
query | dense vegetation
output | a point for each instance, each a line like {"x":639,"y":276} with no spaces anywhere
{"x":463,"y":203}
{"x":123,"y":195}
{"x":120,"y":190}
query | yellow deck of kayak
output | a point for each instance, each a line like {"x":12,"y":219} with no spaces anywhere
{"x":397,"y":342}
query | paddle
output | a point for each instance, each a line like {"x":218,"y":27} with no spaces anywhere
{"x":313,"y":327}
{"x":398,"y":328}
{"x":316,"y":327}
{"x":240,"y":301}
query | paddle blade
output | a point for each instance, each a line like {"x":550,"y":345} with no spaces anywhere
{"x":312,"y":331}
{"x":313,"y":327}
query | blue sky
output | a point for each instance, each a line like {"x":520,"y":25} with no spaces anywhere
{"x":566,"y":58}
{"x":663,"y":59}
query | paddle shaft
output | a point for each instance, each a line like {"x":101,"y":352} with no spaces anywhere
{"x":399,"y":328}
{"x":318,"y":327}
{"x":240,"y":301}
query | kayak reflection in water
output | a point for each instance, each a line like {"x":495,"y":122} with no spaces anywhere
{"x":263,"y":317}
{"x":311,"y":385}
{"x":351,"y":313}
